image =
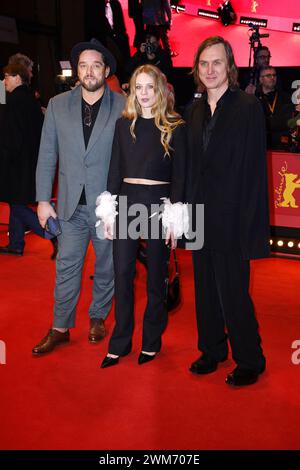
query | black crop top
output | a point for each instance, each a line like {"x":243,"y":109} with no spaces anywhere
{"x":144,"y":157}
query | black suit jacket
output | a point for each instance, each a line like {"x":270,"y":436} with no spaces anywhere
{"x":97,"y":25}
{"x":230,"y":177}
{"x":20,"y":134}
{"x":134,"y":8}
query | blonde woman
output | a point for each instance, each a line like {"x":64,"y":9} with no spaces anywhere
{"x":147,"y":165}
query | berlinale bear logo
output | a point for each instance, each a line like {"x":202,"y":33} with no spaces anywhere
{"x":290,"y":186}
{"x":284,"y":193}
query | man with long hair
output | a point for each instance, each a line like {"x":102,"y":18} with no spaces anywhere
{"x":227,"y":174}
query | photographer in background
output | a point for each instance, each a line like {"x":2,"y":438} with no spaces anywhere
{"x":277,"y":107}
{"x":150,"y":52}
{"x":157,"y":16}
{"x":262,"y":58}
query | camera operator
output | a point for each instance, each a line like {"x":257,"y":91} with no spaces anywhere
{"x":157,"y":16}
{"x":151,"y":52}
{"x":262,"y":56}
{"x":277,"y":107}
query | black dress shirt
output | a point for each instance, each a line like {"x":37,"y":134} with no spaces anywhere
{"x":210,"y":120}
{"x":89,"y":114}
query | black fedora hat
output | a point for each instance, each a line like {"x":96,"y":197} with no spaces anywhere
{"x":93,"y":44}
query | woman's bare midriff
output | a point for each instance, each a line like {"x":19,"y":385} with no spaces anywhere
{"x":143,"y":181}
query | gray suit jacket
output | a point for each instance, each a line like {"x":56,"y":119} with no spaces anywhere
{"x":62,"y":137}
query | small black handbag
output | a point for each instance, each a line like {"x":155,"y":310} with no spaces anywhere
{"x":52,"y":228}
{"x":173,"y":296}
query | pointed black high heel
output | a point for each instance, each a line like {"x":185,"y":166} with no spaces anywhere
{"x":143,"y":358}
{"x":109,"y":361}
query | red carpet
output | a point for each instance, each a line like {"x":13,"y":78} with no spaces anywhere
{"x":64,"y":400}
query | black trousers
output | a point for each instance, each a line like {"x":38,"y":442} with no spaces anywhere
{"x":139,"y":27}
{"x":124,"y":254}
{"x":223,"y":303}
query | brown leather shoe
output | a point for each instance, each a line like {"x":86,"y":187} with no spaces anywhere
{"x":97,"y":330}
{"x":50,"y":341}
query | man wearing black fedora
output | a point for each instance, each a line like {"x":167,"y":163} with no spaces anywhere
{"x":77,"y":135}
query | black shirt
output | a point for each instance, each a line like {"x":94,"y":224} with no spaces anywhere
{"x":89,"y":116}
{"x":145,"y":157}
{"x":89,"y":113}
{"x":210,"y":120}
{"x":278,"y":109}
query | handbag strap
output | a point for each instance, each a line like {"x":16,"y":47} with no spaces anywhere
{"x":176,"y":262}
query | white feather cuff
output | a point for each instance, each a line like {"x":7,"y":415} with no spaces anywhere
{"x":175,"y":217}
{"x":106,"y":208}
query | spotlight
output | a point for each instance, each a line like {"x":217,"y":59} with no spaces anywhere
{"x":285,"y":245}
{"x":66,"y":68}
{"x":296,"y":28}
{"x":226,"y":12}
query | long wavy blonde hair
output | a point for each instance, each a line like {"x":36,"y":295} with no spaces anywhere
{"x":166,"y":119}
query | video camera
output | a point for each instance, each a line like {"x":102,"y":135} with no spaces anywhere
{"x":256,"y":36}
{"x":149,"y":47}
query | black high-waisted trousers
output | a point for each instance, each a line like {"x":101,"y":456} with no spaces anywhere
{"x":124,"y":254}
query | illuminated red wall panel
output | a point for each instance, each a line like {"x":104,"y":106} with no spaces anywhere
{"x":280,"y":14}
{"x":284,"y":189}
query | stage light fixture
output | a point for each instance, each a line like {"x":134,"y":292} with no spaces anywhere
{"x":178,"y":8}
{"x":261,"y":22}
{"x":66,"y":68}
{"x":226,"y":12}
{"x":296,"y":28}
{"x":285,"y":245}
{"x":208,"y":14}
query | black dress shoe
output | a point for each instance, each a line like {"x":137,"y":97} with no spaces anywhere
{"x":8,"y":250}
{"x":109,"y":361}
{"x":143,"y":358}
{"x":205,"y":365}
{"x":240,"y":377}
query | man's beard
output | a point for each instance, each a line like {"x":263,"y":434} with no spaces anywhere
{"x":92,"y":86}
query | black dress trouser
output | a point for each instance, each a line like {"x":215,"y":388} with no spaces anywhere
{"x":223,"y":302}
{"x":124,"y":254}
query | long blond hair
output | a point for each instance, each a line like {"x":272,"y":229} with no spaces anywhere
{"x":166,"y":119}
